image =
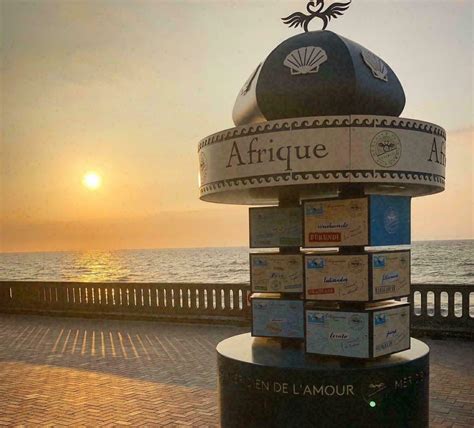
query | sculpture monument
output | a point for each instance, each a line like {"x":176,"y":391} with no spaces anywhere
{"x":319,"y":141}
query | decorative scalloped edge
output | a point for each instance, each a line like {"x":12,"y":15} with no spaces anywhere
{"x":321,"y":122}
{"x":321,"y":175}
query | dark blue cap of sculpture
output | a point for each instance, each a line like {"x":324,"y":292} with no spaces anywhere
{"x":319,"y":73}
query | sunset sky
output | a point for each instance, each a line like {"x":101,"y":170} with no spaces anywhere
{"x":128,"y":88}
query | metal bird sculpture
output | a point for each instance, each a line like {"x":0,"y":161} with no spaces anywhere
{"x":315,"y":10}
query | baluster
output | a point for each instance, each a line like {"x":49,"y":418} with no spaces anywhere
{"x":168,"y":306}
{"x":107,"y":296}
{"x":162,"y":298}
{"x":424,"y":303}
{"x":199,"y":302}
{"x":67,"y":296}
{"x":193,"y":297}
{"x":75,"y":295}
{"x":184,"y":297}
{"x":451,"y":304}
{"x":235,"y":299}
{"x":185,"y":302}
{"x":178,"y":297}
{"x":215,"y":296}
{"x":175,"y":298}
{"x":145,"y":295}
{"x":150,"y":303}
{"x":210,"y":300}
{"x":98,"y":299}
{"x":136,"y":298}
{"x":226,"y":299}
{"x":437,"y":303}
{"x":112,"y":291}
{"x":109,"y":302}
{"x":90,"y":296}
{"x":114,"y":298}
{"x":123,"y":298}
{"x":465,"y":303}
{"x":133,"y":297}
{"x":155,"y":298}
{"x":185,"y":292}
{"x":187,"y":299}
{"x":202,"y":301}
{"x":174,"y":302}
{"x":129,"y":297}
{"x":103,"y":291}
{"x":82,"y":295}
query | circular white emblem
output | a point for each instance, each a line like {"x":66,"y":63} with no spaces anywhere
{"x":356,"y":265}
{"x":356,"y":322}
{"x":203,"y":166}
{"x":391,"y":221}
{"x":386,"y":149}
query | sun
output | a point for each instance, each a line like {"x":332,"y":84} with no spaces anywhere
{"x":92,"y":180}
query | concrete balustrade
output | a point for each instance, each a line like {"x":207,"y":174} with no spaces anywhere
{"x":436,"y":308}
{"x":443,"y":309}
{"x":186,"y":302}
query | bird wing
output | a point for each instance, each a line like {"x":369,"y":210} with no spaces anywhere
{"x":335,"y":10}
{"x":295,"y":19}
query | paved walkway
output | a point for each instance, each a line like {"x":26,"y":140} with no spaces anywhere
{"x":76,"y":372}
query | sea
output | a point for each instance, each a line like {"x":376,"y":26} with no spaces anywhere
{"x":441,"y":262}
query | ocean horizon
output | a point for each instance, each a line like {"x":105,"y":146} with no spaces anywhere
{"x":446,"y":262}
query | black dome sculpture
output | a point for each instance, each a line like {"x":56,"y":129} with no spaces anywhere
{"x":319,"y":73}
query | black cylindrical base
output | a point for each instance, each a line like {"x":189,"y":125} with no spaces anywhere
{"x":262,"y":384}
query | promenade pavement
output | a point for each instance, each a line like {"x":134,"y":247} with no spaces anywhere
{"x":87,"y":372}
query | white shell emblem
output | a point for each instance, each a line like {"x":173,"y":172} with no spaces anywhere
{"x":379,"y":69}
{"x":305,"y":60}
